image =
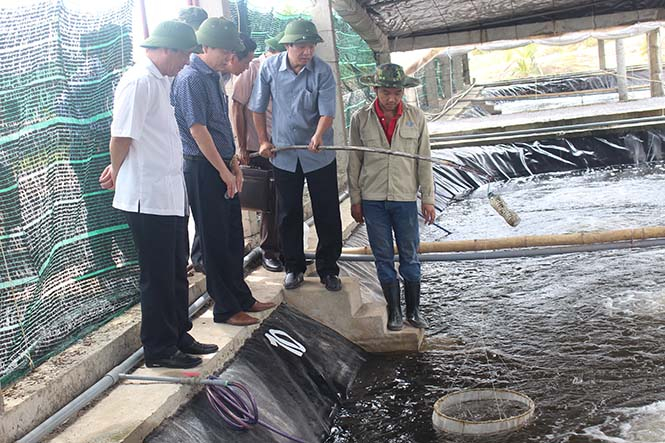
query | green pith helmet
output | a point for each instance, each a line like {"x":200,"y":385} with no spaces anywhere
{"x":193,"y":16}
{"x":172,"y":34}
{"x":300,"y":31}
{"x":273,"y":43}
{"x":389,"y":75}
{"x":217,"y":32}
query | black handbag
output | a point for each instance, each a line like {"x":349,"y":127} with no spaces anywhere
{"x":257,"y":190}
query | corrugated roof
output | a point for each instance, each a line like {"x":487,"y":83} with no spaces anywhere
{"x":414,"y":18}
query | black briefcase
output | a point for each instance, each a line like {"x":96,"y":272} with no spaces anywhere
{"x":257,"y":189}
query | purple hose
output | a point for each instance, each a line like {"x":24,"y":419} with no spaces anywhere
{"x":236,"y":406}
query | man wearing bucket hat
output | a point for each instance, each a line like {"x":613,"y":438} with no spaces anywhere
{"x":303,"y":93}
{"x":212,"y":171}
{"x":248,"y":141}
{"x":383,"y":188}
{"x":146,"y":171}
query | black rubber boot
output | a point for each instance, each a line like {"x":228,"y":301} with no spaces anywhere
{"x":391,"y":293}
{"x":412,"y":298}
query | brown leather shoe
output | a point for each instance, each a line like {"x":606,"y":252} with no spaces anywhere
{"x":242,"y":319}
{"x":261,"y":306}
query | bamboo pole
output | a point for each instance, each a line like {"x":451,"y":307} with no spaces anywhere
{"x":531,"y":241}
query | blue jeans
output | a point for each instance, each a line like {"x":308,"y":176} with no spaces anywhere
{"x":381,"y":219}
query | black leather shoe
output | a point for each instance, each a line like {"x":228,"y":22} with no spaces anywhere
{"x":332,"y":283}
{"x":197,"y":348}
{"x":272,"y":264}
{"x":293,"y":279}
{"x":178,"y":360}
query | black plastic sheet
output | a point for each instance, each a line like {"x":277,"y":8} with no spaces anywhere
{"x":297,"y":394}
{"x":551,"y":85}
{"x":474,"y":111}
{"x":506,"y":161}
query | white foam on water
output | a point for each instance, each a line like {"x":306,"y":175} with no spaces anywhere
{"x":635,"y":425}
{"x":649,"y":303}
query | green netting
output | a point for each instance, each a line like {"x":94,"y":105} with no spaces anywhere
{"x":67,"y":260}
{"x":68,"y":263}
{"x":355,"y":56}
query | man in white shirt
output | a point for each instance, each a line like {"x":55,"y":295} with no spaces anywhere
{"x":146,"y":170}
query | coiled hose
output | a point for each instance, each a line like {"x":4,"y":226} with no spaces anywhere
{"x":231,"y":400}
{"x":237,"y":408}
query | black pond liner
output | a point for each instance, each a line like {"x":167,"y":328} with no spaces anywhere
{"x":512,"y":160}
{"x":297,"y":394}
{"x":568,"y":83}
{"x":498,"y":93}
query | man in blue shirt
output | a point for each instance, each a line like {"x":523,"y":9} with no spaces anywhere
{"x":303,"y":93}
{"x":194,"y":16}
{"x":212,"y":171}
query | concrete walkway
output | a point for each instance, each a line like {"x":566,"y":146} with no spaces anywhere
{"x":133,"y":409}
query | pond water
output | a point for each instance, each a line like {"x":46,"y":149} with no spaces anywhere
{"x":582,"y":334}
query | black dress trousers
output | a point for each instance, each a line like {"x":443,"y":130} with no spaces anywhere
{"x":322,"y":185}
{"x":219,"y":224}
{"x":162,"y":247}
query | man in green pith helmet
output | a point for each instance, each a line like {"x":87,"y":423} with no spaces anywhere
{"x":303,"y":93}
{"x":248,"y":141}
{"x":383,"y":188}
{"x":212,"y":171}
{"x":146,"y":172}
{"x":193,"y":16}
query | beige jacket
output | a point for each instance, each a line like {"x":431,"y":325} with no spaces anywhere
{"x":387,"y":177}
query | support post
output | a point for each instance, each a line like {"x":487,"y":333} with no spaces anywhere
{"x":655,"y":63}
{"x":144,"y":19}
{"x":622,"y":83}
{"x":226,"y":10}
{"x":602,"y":60}
{"x":411,"y":96}
{"x":466,"y":73}
{"x":217,"y":8}
{"x":446,"y":75}
{"x":431,"y":86}
{"x":382,"y":57}
{"x":323,"y":19}
{"x":458,"y":73}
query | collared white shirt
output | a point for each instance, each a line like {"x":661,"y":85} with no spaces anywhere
{"x":150,"y":180}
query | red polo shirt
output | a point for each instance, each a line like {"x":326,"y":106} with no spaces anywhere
{"x":388,"y":126}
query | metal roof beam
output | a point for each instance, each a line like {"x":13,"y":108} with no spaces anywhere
{"x":531,"y":30}
{"x":356,"y":16}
